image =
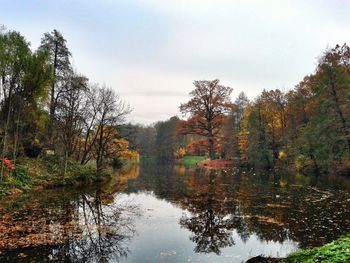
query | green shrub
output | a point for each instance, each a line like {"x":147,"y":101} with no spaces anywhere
{"x":21,"y":174}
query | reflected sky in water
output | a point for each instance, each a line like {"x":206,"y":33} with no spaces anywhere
{"x":167,"y":213}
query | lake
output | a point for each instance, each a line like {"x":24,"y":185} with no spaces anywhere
{"x":168,"y":213}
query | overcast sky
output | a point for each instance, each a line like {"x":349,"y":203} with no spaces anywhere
{"x":150,"y":51}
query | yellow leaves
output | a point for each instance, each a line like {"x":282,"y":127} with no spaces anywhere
{"x":180,"y":153}
{"x":132,"y":155}
{"x":282,"y":155}
{"x":120,"y":148}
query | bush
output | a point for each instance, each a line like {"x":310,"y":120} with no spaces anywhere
{"x":21,"y":174}
{"x":22,"y":179}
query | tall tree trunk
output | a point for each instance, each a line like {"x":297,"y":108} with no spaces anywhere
{"x":99,"y":157}
{"x":52,"y":97}
{"x":211,"y":147}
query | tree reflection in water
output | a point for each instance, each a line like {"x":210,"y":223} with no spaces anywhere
{"x":211,"y":231}
{"x":104,"y":230}
{"x":211,"y":228}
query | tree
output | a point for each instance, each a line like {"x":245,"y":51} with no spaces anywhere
{"x":273,"y":103}
{"x":14,"y":57}
{"x":55,"y":44}
{"x":208,"y":106}
{"x":104,"y":111}
{"x":234,"y":127}
{"x":30,"y":119}
{"x":258,"y":146}
{"x":69,"y":114}
{"x":333,"y":77}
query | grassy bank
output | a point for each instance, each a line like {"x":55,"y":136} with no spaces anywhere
{"x":337,"y":251}
{"x":47,"y":172}
{"x":191,"y":161}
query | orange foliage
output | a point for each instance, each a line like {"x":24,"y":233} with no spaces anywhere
{"x":197,"y":147}
{"x":208,"y":106}
{"x":9,"y":165}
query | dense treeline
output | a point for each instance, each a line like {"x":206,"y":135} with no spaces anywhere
{"x":306,"y":128}
{"x":47,"y":108}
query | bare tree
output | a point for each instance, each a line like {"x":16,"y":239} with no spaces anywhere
{"x":104,"y":112}
{"x":112,"y":113}
{"x":69,"y":114}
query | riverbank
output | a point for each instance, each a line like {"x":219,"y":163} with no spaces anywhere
{"x":47,"y":172}
{"x":337,"y":251}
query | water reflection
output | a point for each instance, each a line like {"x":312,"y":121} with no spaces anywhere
{"x":105,"y":229}
{"x":211,"y":231}
{"x":272,"y":206}
{"x":178,"y":215}
{"x":88,"y":227}
{"x":211,"y":227}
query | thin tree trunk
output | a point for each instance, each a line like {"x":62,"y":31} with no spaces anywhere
{"x":16,"y":139}
{"x":65,"y":163}
{"x":3,"y":153}
{"x":99,"y":157}
{"x":52,"y":98}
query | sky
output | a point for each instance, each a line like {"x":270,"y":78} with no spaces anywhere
{"x":151,"y":51}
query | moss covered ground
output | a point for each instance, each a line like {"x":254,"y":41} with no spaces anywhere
{"x":337,"y":251}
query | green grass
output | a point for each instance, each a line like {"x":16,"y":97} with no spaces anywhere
{"x":337,"y":251}
{"x":191,"y":161}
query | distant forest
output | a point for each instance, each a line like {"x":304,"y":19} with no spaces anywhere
{"x":46,"y":107}
{"x":306,"y":128}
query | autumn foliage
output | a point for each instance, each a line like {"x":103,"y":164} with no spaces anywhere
{"x":207,"y":109}
{"x":8,"y":164}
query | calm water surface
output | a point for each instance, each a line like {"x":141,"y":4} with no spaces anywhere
{"x":166,"y":213}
